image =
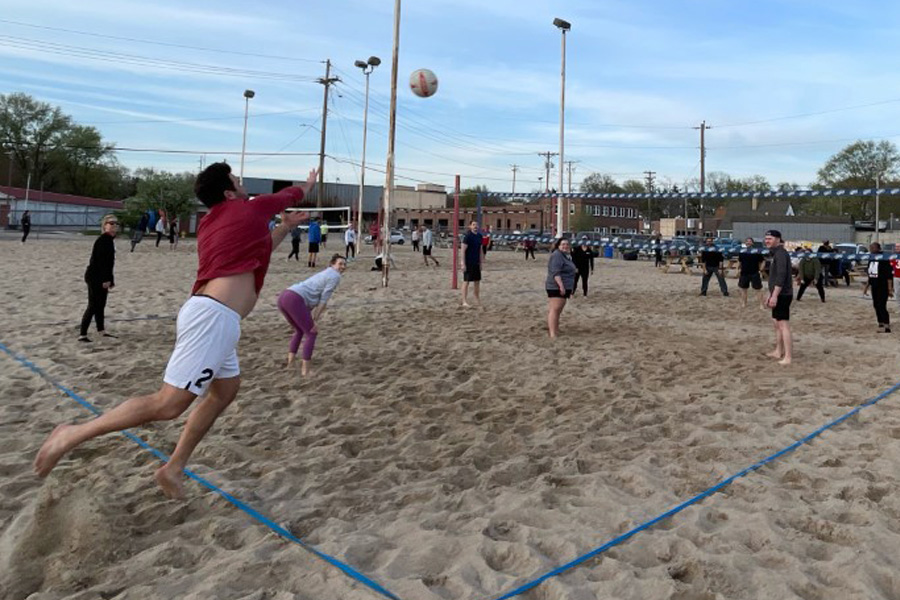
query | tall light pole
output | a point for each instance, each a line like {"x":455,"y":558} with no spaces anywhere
{"x":563,"y":26}
{"x":367,"y":68}
{"x":877,"y":209}
{"x":247,"y":95}
{"x":389,"y":169}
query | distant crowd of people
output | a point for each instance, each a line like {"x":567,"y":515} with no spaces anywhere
{"x":810,"y":270}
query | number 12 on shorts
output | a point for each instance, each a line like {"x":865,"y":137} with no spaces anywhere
{"x":207,"y":375}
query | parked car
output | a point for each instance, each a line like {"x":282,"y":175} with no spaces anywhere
{"x":849,"y":248}
{"x":396,"y":238}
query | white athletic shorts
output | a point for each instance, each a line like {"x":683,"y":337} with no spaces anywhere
{"x":207,"y":334}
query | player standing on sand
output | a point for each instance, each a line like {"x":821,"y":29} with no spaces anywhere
{"x":781,"y":293}
{"x":234,"y":247}
{"x":471,"y":264}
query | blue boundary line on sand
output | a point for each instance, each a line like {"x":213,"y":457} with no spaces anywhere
{"x":275,"y":527}
{"x":677,"y":509}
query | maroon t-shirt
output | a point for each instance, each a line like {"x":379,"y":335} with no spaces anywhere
{"x":234,"y":237}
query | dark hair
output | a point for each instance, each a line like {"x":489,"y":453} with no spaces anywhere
{"x":560,"y":241}
{"x":875,"y":247}
{"x":212,"y":183}
{"x":335,"y":258}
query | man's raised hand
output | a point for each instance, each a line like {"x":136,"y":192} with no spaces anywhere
{"x":310,"y":182}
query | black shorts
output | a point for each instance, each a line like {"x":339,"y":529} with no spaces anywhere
{"x":745,"y":281}
{"x":556,"y":294}
{"x":426,"y":250}
{"x":314,"y":247}
{"x":782,"y":310}
{"x":324,"y":237}
{"x":472,"y":273}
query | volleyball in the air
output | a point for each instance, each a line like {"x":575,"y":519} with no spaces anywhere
{"x":423,"y":83}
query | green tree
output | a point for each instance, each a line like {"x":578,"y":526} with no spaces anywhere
{"x":720,"y":182}
{"x":634,"y":186}
{"x":30,"y":130}
{"x":171,"y":192}
{"x":82,"y":164}
{"x":600,"y":183}
{"x":468,"y":197}
{"x":856,"y":167}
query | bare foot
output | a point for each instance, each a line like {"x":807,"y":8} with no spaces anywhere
{"x":304,"y":368}
{"x":171,"y":483}
{"x":773,"y":354}
{"x":466,"y":305}
{"x":784,"y":361}
{"x":54,"y":448}
{"x":290,"y":360}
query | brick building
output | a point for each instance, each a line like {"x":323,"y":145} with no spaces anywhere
{"x":609,"y":216}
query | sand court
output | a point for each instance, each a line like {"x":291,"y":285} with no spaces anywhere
{"x":452,"y":453}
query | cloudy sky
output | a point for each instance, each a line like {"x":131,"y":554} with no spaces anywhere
{"x":784,"y":84}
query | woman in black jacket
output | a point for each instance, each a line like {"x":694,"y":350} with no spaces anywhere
{"x":583,"y":257}
{"x":26,"y":225}
{"x":99,"y":277}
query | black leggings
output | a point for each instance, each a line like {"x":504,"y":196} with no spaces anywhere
{"x":584,"y":277}
{"x":879,"y":301}
{"x":529,"y":251}
{"x":26,"y":229}
{"x":295,"y":250}
{"x":819,"y":286}
{"x":96,"y":307}
{"x":351,"y":250}
{"x":158,"y":238}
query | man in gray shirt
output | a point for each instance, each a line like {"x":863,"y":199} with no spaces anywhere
{"x":781,"y":293}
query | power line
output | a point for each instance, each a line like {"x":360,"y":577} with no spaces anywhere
{"x":158,"y":43}
{"x":146,"y":61}
{"x":199,"y":119}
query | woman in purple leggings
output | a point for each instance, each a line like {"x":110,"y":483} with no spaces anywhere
{"x":303,"y":303}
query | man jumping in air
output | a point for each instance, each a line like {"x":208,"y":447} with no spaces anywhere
{"x":234,"y":247}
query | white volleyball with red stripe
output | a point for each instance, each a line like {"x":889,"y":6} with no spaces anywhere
{"x":423,"y":83}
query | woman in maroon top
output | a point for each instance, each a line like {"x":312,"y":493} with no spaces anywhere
{"x":234,"y":247}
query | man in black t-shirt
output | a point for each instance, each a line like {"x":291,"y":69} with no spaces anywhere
{"x":881,"y":282}
{"x":748,"y":273}
{"x":781,"y":294}
{"x":471,"y":263}
{"x":712,"y":258}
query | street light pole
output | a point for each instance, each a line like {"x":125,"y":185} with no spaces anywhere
{"x":877,"y":210}
{"x":247,"y":95}
{"x":563,"y":26}
{"x":367,"y":68}
{"x":389,"y":169}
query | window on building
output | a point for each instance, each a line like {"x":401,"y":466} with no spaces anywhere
{"x":401,"y":222}
{"x":571,"y":208}
{"x":442,"y":223}
{"x":605,"y":211}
